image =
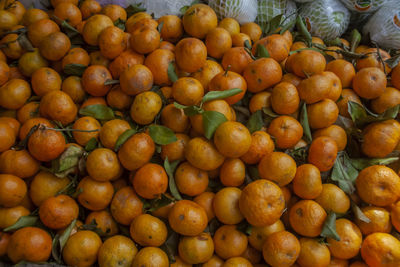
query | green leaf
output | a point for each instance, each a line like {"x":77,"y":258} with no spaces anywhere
{"x":355,"y":39}
{"x":270,"y":113}
{"x":275,"y":23}
{"x":344,"y":173}
{"x":69,"y":30}
{"x":123,"y":138}
{"x":244,"y":227}
{"x":329,"y":229}
{"x":255,"y":122}
{"x":247,"y":44}
{"x":59,"y":241}
{"x":67,"y":162}
{"x":91,"y":145}
{"x":22,"y":222}
{"x":253,"y":171}
{"x":211,"y":121}
{"x":25,"y":43}
{"x":170,"y":169}
{"x":393,"y":61}
{"x":98,"y":111}
{"x":92,"y":226}
{"x":160,"y":26}
{"x":158,"y":203}
{"x":361,"y":116}
{"x":133,"y":9}
{"x":359,"y":213}
{"x":302,"y":28}
{"x":74,"y":69}
{"x":304,"y":123}
{"x":170,"y":247}
{"x":171,"y":72}
{"x":189,"y":110}
{"x":162,"y":135}
{"x":120,"y":24}
{"x":262,"y":51}
{"x":111,"y":82}
{"x":214,"y":95}
{"x":363,"y":163}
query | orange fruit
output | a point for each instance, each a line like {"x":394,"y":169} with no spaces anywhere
{"x":202,"y":154}
{"x":307,"y":182}
{"x":231,"y":25}
{"x":232,"y":139}
{"x":191,"y":54}
{"x":196,"y":249}
{"x":306,"y":63}
{"x":150,"y":181}
{"x":226,"y":205}
{"x":322,"y":153}
{"x":46,"y":145}
{"x":313,"y":253}
{"x":86,"y":123}
{"x":126,"y":205}
{"x":218,"y":41}
{"x":285,"y":98}
{"x":13,"y":190}
{"x":94,"y":26}
{"x":378,"y":185}
{"x":136,"y":79}
{"x":19,"y":163}
{"x":205,"y":200}
{"x":82,"y":248}
{"x":58,"y":212}
{"x":344,"y":70}
{"x":117,"y":250}
{"x":111,"y":130}
{"x":232,"y":172}
{"x":322,"y":114}
{"x":29,"y":244}
{"x":262,"y":74}
{"x":158,"y":62}
{"x":148,"y":231}
{"x":95,"y":195}
{"x":102,"y":165}
{"x":136,"y":151}
{"x":190,"y":180}
{"x":253,"y":30}
{"x":114,"y":12}
{"x":187,"y":218}
{"x":369,"y":82}
{"x":381,"y":249}
{"x":236,"y":59}
{"x":229,"y":242}
{"x":277,"y":167}
{"x":307,"y":218}
{"x":172,"y":29}
{"x":286,"y":131}
{"x":145,"y":40}
{"x":152,"y":257}
{"x":389,"y":99}
{"x":14,"y":94}
{"x":281,"y":249}
{"x":276,"y":45}
{"x":380,"y":138}
{"x":258,"y":235}
{"x":261,"y":202}
{"x":198,"y":20}
{"x":379,"y":220}
{"x":145,"y":107}
{"x":57,"y":105}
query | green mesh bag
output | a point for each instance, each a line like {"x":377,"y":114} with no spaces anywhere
{"x":327,"y":19}
{"x":384,"y":26}
{"x":364,"y":6}
{"x":242,"y":10}
{"x":268,"y":9}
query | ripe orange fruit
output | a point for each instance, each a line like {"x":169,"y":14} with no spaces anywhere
{"x":7,"y":137}
{"x":281,"y":249}
{"x":54,"y":46}
{"x":12,"y":190}
{"x":218,"y":41}
{"x":126,"y":205}
{"x":202,"y":154}
{"x":187,"y":218}
{"x":232,"y":139}
{"x":102,"y":165}
{"x":136,"y":79}
{"x":94,"y":26}
{"x":145,"y":40}
{"x":150,"y":181}
{"x":190,"y":180}
{"x":261,"y":202}
{"x":380,"y":138}
{"x":236,"y":59}
{"x":191,"y":54}
{"x":379,"y":220}
{"x":306,"y":63}
{"x":57,"y":105}
{"x":229,"y":242}
{"x":369,"y":82}
{"x":322,"y":153}
{"x":396,"y":77}
{"x":313,"y":253}
{"x":198,"y":20}
{"x":151,"y":256}
{"x":86,"y":123}
{"x":148,"y":231}
{"x":307,"y":182}
{"x":231,"y":25}
{"x":333,"y":199}
{"x":29,"y":244}
{"x":262,"y":74}
{"x":277,"y":167}
{"x":378,"y":185}
{"x":196,"y":249}
{"x":258,"y":235}
{"x":176,"y":150}
{"x":307,"y":218}
{"x":232,"y":172}
{"x":111,"y":130}
{"x":253,"y":30}
{"x":276,"y":45}
{"x":82,"y":248}
{"x":286,"y":130}
{"x":344,"y":70}
{"x":226,"y":205}
{"x":14,"y":94}
{"x":117,"y":250}
{"x":19,"y":163}
{"x":46,"y":145}
{"x":68,"y":12}
{"x":58,"y":212}
{"x":172,"y":29}
{"x":136,"y":151}
{"x":381,"y":249}
{"x":95,"y":195}
{"x":205,"y":200}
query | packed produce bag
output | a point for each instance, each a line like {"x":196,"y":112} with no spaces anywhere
{"x":303,"y":1}
{"x":242,"y":10}
{"x":158,"y":7}
{"x":268,"y":9}
{"x":384,"y":26}
{"x":327,"y":19}
{"x":364,"y":6}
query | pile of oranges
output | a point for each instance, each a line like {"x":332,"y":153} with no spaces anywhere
{"x":131,"y":141}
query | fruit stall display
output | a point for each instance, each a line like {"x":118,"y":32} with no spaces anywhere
{"x":206,"y":133}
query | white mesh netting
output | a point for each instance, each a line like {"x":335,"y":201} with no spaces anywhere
{"x":363,"y":6}
{"x":326,"y":19}
{"x":384,"y":26}
{"x":162,"y":7}
{"x":242,"y":10}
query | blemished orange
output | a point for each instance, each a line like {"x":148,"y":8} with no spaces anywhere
{"x":277,"y":167}
{"x":307,"y":218}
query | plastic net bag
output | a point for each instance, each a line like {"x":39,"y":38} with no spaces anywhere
{"x":327,"y":19}
{"x":304,"y":1}
{"x":384,"y":26}
{"x":242,"y":10}
{"x":364,"y":6}
{"x":161,"y":7}
{"x":268,"y":9}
